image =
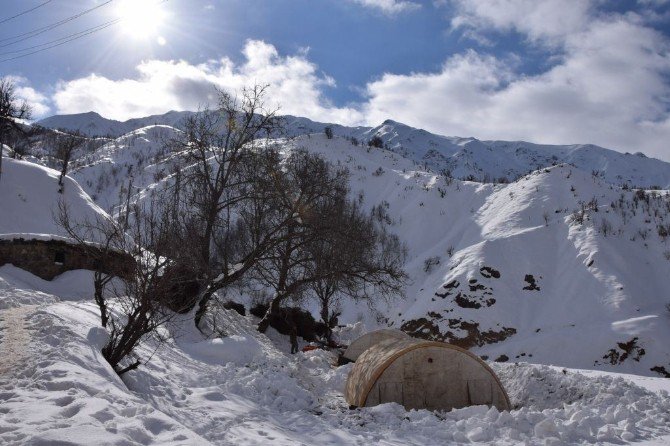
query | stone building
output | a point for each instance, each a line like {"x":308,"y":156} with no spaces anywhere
{"x":49,"y":257}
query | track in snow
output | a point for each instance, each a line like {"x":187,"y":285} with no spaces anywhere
{"x":14,"y":338}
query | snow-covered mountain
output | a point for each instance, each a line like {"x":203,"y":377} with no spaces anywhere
{"x":558,"y":267}
{"x":525,"y":271}
{"x":508,"y":160}
{"x":462,"y":158}
{"x":92,"y":124}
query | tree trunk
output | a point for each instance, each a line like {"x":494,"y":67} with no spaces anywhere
{"x":203,"y":303}
{"x":325,"y":317}
{"x":213,"y":287}
{"x":273,"y":309}
{"x":132,"y":366}
{"x":100,"y":300}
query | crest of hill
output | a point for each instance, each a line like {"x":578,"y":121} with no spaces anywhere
{"x":93,"y":124}
{"x":464,"y":158}
{"x":29,"y":200}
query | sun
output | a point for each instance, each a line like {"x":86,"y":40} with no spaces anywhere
{"x":141,"y":19}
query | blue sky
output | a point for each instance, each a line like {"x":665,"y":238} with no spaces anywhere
{"x":550,"y":71}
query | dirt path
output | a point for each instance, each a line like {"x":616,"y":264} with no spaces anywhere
{"x":14,"y":337}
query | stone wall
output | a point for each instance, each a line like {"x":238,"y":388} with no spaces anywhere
{"x":49,"y":258}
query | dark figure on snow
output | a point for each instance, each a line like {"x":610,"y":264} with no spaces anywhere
{"x":294,"y":339}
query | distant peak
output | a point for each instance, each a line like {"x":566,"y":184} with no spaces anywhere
{"x":391,"y":122}
{"x":89,"y":114}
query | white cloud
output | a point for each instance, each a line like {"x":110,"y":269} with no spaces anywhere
{"x":539,"y":19}
{"x":295,"y":86}
{"x":608,"y":87}
{"x":389,"y":6}
{"x":37,"y":101}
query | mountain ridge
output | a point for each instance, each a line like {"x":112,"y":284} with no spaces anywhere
{"x":457,"y":157}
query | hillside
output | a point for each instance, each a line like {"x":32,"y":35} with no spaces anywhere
{"x":490,"y":273}
{"x":519,"y":271}
{"x":29,"y":199}
{"x":559,"y":267}
{"x":92,"y":124}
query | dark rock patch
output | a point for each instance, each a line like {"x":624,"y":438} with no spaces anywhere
{"x":661,"y":371}
{"x":625,"y":350}
{"x":453,"y":284}
{"x":464,"y":302}
{"x":489,"y":272}
{"x":428,"y":329}
{"x":532,"y":285}
{"x":237,"y":307}
{"x":477,"y":287}
{"x":307,"y":327}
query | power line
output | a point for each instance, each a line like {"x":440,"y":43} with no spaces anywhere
{"x":35,"y":32}
{"x":70,"y":37}
{"x":78,"y":36}
{"x":63,"y":40}
{"x":25,"y":12}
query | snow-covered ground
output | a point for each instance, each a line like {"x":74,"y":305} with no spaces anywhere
{"x":244,"y":389}
{"x":29,"y":200}
{"x":523,"y":271}
{"x":559,"y":267}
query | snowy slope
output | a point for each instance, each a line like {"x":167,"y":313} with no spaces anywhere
{"x":488,"y":272}
{"x":244,"y":389}
{"x":462,"y":157}
{"x":137,"y":159}
{"x":607,"y":289}
{"x":29,"y":199}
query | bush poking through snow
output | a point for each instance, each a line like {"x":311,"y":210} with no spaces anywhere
{"x":430,"y":263}
{"x":143,"y":290}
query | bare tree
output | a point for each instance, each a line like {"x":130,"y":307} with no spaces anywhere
{"x":11,"y":110}
{"x":218,"y":149}
{"x":137,"y":303}
{"x":65,"y":146}
{"x":330,"y":245}
{"x":241,"y":206}
{"x":214,"y":145}
{"x":256,"y":226}
{"x":142,"y":302}
{"x":103,"y":241}
{"x":356,"y":259}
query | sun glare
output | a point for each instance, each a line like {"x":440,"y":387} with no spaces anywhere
{"x":141,"y":19}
